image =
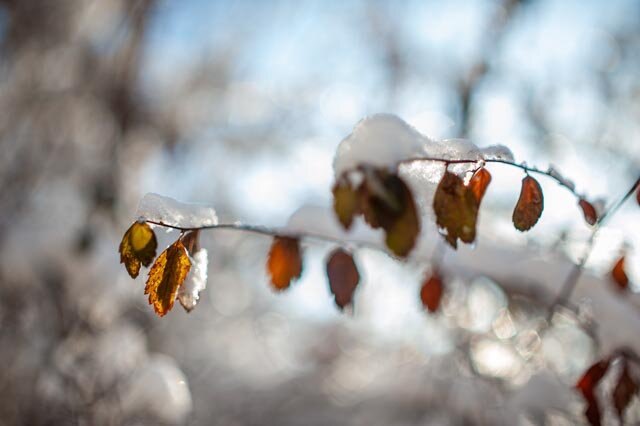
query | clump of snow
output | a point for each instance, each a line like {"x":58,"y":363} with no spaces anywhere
{"x":384,"y":140}
{"x":196,"y":281}
{"x":497,"y":152}
{"x":166,"y":210}
{"x":380,"y":140}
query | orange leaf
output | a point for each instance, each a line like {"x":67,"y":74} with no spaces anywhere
{"x":530,"y":205}
{"x":619,"y":275}
{"x":165,"y":277}
{"x":624,"y":391}
{"x":479,"y":182}
{"x":456,"y":209}
{"x":431,"y":292}
{"x":138,"y":246}
{"x":284,"y":262}
{"x":587,"y":384}
{"x":343,"y":277}
{"x":589,"y":212}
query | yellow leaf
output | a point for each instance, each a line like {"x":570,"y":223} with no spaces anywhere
{"x":345,"y":202}
{"x":166,"y":276}
{"x":530,"y":205}
{"x":456,"y":209}
{"x":284,"y":262}
{"x":138,"y":246}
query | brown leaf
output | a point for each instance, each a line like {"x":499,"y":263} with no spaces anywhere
{"x":456,"y":209}
{"x":431,"y":292}
{"x":387,"y":202}
{"x":165,"y":277}
{"x":343,"y":277}
{"x":529,"y":206}
{"x":619,"y":275}
{"x":191,"y":241}
{"x":587,"y":386}
{"x":284,"y":263}
{"x":479,"y":182}
{"x":589,"y":212}
{"x":138,"y":246}
{"x":624,"y":391}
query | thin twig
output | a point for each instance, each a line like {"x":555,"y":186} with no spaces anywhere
{"x":528,"y":169}
{"x":574,"y":276}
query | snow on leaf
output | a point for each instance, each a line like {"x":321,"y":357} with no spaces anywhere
{"x":381,"y":140}
{"x":343,"y":277}
{"x":619,"y":275}
{"x":530,"y":205}
{"x":345,"y":201}
{"x":284,"y":262}
{"x":589,"y":211}
{"x":624,"y":391}
{"x":166,"y":276}
{"x":431,"y":292}
{"x":189,"y":292}
{"x":479,"y":182}
{"x":165,"y":210}
{"x":587,"y":386}
{"x":456,"y":209}
{"x":138,"y":246}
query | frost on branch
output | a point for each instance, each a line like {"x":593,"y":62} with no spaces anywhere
{"x":166,"y":210}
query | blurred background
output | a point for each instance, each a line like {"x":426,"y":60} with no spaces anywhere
{"x":241,"y":105}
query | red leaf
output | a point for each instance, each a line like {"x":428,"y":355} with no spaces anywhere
{"x":530,"y":205}
{"x":285,"y":262}
{"x":619,"y":275}
{"x":479,"y":182}
{"x":589,"y":212}
{"x":431,"y":292}
{"x":587,"y":384}
{"x":343,"y":277}
{"x":624,"y":391}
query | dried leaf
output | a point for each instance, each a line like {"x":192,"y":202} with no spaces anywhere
{"x":431,"y":292}
{"x":589,"y":212}
{"x":530,"y":205}
{"x":345,"y":201}
{"x":343,"y":277}
{"x":456,"y":209}
{"x":479,"y":182}
{"x":285,"y":262}
{"x":624,"y":391}
{"x":387,"y":202}
{"x":619,"y":275}
{"x":587,"y":386}
{"x":138,"y":246}
{"x":166,"y":276}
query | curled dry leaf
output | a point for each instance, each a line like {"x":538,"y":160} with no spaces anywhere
{"x":530,"y":205}
{"x":165,"y":277}
{"x":479,"y":182}
{"x":138,"y":246}
{"x":431,"y":292}
{"x":619,"y":275}
{"x":385,"y":201}
{"x":587,"y":387}
{"x":343,"y":277}
{"x":284,"y":263}
{"x":456,"y":209}
{"x":589,"y":212}
{"x":624,"y":391}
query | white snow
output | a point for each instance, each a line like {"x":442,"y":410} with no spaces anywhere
{"x":553,"y":172}
{"x":166,"y":210}
{"x":196,"y":281}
